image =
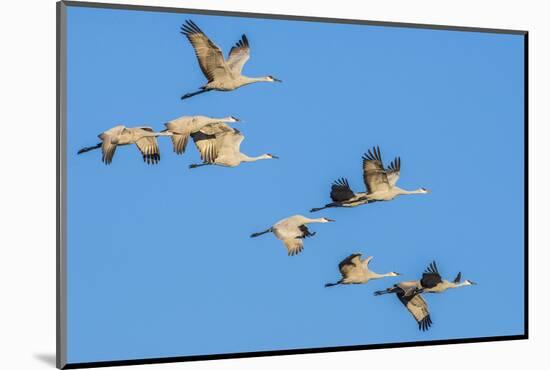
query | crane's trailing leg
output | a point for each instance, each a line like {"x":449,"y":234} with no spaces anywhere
{"x":387,"y":291}
{"x":88,"y":148}
{"x":188,"y":95}
{"x":262,"y":232}
{"x":333,"y":284}
{"x":195,"y":165}
{"x":325,"y":206}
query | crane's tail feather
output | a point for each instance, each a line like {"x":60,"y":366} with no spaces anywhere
{"x":261,"y":233}
{"x":88,"y":148}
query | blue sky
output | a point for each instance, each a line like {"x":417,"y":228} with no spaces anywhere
{"x":160,"y":262}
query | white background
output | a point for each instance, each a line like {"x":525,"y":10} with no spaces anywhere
{"x":27,"y":184}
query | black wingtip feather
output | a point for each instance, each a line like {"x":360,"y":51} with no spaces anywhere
{"x":432,"y":268}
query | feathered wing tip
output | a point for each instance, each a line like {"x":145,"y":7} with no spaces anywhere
{"x":425,"y":323}
{"x":342,"y":181}
{"x":395,"y":165}
{"x":151,"y":158}
{"x":243,"y":42}
{"x":295,"y":251}
{"x":457,"y":278}
{"x":347,"y":260}
{"x":189,"y":28}
{"x":432,"y":268}
{"x":373,"y":155}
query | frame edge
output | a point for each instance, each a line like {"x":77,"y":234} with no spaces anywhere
{"x":61,"y":265}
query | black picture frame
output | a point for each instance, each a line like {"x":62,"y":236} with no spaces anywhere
{"x":61,"y":358}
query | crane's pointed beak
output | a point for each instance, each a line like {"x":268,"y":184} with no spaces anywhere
{"x":277,"y":80}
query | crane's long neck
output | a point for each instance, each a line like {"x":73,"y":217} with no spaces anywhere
{"x":404,"y":192}
{"x":250,"y":80}
{"x":227,"y":119}
{"x":315,"y":220}
{"x":458,"y":285}
{"x":160,"y":133}
{"x":375,"y":275}
{"x":245,"y":158}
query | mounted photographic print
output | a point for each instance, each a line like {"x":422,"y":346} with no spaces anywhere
{"x":238,"y":185}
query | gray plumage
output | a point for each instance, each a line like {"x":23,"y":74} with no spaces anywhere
{"x":380,"y":183}
{"x":355,"y":270}
{"x":292,"y":231}
{"x":409,"y":293}
{"x":222,"y":74}
{"x":142,"y":136}
{"x":183,"y":127}
{"x":220,"y":145}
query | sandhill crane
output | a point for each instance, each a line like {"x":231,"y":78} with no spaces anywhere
{"x":431,"y":282}
{"x":354,"y":270}
{"x":379,"y":182}
{"x":292,"y":231}
{"x":409,"y":293}
{"x":222,"y":75}
{"x":418,"y":308}
{"x":183,"y":127}
{"x":144,"y":137}
{"x":220,"y":145}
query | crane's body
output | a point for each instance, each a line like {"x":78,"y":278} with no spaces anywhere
{"x":220,"y":145}
{"x":292,"y":230}
{"x":142,"y":136}
{"x":380,"y":184}
{"x":410,"y":293}
{"x":355,"y":270}
{"x":222,"y":74}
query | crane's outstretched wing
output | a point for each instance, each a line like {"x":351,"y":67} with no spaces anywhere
{"x":206,"y":145}
{"x":208,"y":54}
{"x":107,"y":149}
{"x":229,"y":143}
{"x":179,"y":142}
{"x":393,"y":171}
{"x":374,"y":175}
{"x":341,"y":191}
{"x":216,"y":140}
{"x":430,"y":277}
{"x":148,"y":146}
{"x":418,"y":307}
{"x":238,"y":55}
{"x":350,"y":263}
{"x":457,"y":278}
{"x":217,"y":128}
{"x":294,"y":245}
{"x":366,"y":261}
{"x":108,"y":142}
